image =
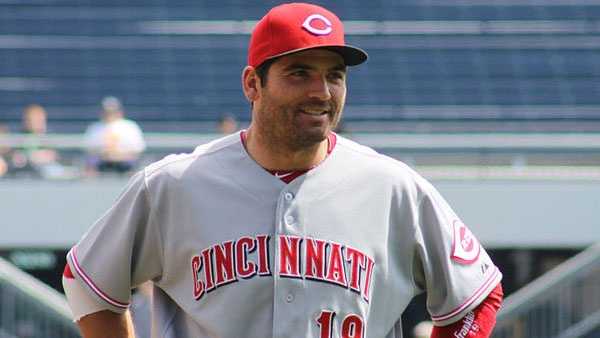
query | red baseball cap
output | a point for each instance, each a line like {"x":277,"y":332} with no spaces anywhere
{"x":295,"y":27}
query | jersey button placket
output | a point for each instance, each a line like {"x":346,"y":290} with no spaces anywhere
{"x":289,"y":220}
{"x":288,"y":290}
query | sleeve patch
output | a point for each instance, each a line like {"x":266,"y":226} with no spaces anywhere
{"x":465,"y":247}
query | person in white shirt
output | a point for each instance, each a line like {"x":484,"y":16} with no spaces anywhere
{"x":114,"y":144}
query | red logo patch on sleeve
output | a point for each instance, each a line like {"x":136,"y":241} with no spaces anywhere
{"x":465,"y":247}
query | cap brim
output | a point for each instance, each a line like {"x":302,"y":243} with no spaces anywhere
{"x":352,"y":56}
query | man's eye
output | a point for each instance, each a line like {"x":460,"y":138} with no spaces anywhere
{"x":301,"y":73}
{"x":336,"y":76}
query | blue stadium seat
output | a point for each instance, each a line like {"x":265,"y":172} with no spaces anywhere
{"x":68,"y":55}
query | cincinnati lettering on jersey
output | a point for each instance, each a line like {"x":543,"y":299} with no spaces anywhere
{"x":303,"y":258}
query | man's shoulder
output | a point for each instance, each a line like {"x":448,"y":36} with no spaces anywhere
{"x":354,"y":150}
{"x":367,"y":160}
{"x":203,"y":155}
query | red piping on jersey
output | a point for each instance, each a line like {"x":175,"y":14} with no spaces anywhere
{"x":332,"y":140}
{"x":471,"y":299}
{"x":91,"y":284}
{"x":478,"y":323}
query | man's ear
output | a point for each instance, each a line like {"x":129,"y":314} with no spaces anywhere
{"x":250,"y":83}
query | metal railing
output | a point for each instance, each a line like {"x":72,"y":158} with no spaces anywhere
{"x":511,"y":152}
{"x":563,"y":303}
{"x":487,"y":141}
{"x":31,"y":309}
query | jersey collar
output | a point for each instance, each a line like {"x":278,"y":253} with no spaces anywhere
{"x":288,"y":176}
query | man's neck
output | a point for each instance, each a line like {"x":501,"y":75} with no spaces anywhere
{"x":279,"y":157}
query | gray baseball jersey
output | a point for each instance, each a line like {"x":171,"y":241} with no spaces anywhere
{"x":235,"y":252}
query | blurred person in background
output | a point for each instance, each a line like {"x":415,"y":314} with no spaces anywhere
{"x":33,"y":157}
{"x":3,"y":151}
{"x":35,"y":120}
{"x":3,"y":166}
{"x":114,"y":144}
{"x":34,"y":124}
{"x":228,"y":124}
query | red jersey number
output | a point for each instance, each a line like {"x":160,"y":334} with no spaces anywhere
{"x":352,"y":325}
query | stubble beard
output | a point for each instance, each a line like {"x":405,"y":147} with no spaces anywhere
{"x":280,"y":128}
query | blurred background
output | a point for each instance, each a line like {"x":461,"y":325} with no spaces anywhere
{"x":496,"y":102}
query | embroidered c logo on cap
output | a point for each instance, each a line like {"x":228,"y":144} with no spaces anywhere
{"x":317,"y":31}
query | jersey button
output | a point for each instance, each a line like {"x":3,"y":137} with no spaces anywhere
{"x":289,"y":220}
{"x":289,"y":298}
{"x":288,"y":196}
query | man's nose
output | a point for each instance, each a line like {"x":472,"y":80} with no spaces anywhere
{"x":320,"y":89}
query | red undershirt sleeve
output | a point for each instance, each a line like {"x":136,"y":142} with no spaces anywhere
{"x":478,"y":323}
{"x":67,"y":272}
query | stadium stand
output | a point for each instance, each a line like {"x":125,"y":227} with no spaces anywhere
{"x":563,"y":303}
{"x":181,"y":60}
{"x":31,"y":309}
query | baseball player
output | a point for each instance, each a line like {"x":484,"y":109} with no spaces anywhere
{"x":284,"y":229}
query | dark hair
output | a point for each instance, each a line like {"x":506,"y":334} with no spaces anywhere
{"x":263,"y":69}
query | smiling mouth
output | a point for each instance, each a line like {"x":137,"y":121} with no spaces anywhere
{"x":314,"y":112}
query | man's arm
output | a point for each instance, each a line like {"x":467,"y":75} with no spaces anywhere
{"x":94,"y":320}
{"x":478,"y":323}
{"x":106,"y":324}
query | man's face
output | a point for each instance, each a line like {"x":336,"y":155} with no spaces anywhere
{"x":111,"y":115}
{"x":302,"y":99}
{"x":35,"y":120}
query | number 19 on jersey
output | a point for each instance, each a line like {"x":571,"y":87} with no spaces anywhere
{"x":351,"y":327}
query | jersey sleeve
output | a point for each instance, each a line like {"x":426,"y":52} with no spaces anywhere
{"x":121,"y":250}
{"x":80,"y":301}
{"x":478,"y":323}
{"x":449,"y":262}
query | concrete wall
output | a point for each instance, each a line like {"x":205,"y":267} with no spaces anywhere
{"x":511,"y":213}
